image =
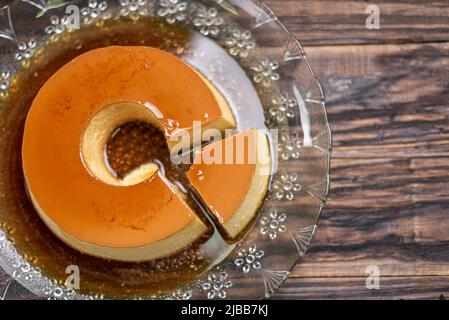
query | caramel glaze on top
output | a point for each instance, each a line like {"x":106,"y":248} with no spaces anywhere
{"x":71,"y":197}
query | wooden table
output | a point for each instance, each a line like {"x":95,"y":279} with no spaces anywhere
{"x":387,"y":94}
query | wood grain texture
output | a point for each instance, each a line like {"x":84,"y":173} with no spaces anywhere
{"x":319,"y":22}
{"x":391,"y":288}
{"x":389,"y":111}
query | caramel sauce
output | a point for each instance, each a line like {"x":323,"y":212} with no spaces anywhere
{"x":136,"y":143}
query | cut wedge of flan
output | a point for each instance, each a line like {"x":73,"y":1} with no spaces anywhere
{"x":231,"y":176}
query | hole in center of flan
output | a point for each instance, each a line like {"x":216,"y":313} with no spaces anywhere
{"x":123,"y":145}
{"x":136,"y":143}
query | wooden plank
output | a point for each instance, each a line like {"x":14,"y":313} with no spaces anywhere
{"x":386,"y":100}
{"x":318,"y":22}
{"x":388,"y":107}
{"x":395,"y":220}
{"x":433,"y":288}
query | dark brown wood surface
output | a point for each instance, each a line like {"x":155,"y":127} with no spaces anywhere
{"x":342,"y":22}
{"x":387,"y":94}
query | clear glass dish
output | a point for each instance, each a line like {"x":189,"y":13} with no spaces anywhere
{"x":262,"y":70}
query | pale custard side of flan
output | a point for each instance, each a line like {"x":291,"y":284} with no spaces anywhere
{"x":256,"y":192}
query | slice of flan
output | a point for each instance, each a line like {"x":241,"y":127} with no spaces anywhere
{"x":231,"y":176}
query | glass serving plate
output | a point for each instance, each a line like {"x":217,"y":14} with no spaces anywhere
{"x":242,"y":48}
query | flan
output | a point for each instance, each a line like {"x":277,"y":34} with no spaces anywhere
{"x":231,"y":176}
{"x":143,"y":216}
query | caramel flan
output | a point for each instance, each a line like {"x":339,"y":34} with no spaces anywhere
{"x":231,"y":176}
{"x":143,"y":216}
